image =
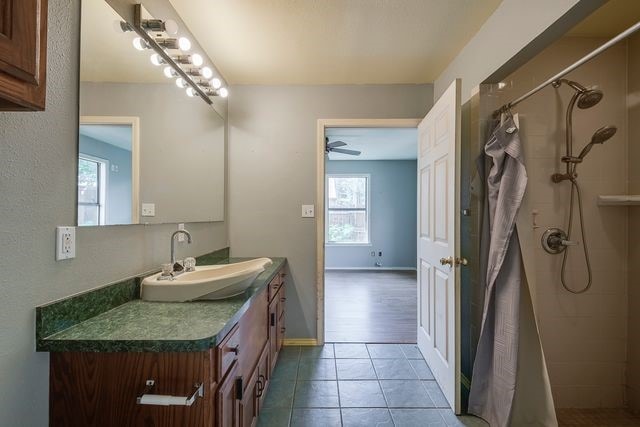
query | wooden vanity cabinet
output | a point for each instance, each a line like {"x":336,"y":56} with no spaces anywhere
{"x":23,"y":54}
{"x":100,"y":389}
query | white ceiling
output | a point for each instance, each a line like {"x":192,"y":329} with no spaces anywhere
{"x":376,"y":143}
{"x":333,"y":41}
{"x":116,"y":135}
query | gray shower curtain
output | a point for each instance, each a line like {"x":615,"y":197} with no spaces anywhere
{"x":502,"y":391}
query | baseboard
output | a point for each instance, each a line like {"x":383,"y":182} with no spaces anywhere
{"x":371,"y":268}
{"x":300,"y":342}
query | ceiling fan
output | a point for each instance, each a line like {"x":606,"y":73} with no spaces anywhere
{"x":333,"y":147}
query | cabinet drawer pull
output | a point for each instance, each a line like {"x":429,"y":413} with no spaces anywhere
{"x":283,"y":329}
{"x":261,"y":382}
{"x":235,"y":349}
{"x":273,"y":319}
{"x":283,"y":299}
{"x":166,"y":400}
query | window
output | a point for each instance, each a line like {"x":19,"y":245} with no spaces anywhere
{"x":92,"y":189}
{"x":347,"y":209}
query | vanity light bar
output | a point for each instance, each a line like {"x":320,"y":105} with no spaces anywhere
{"x":153,"y":44}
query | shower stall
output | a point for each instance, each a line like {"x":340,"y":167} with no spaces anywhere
{"x":581,"y":246}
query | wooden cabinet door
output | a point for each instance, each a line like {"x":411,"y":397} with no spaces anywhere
{"x":264,"y":375}
{"x":248,"y":405}
{"x":23,"y":28}
{"x":273,"y":332}
{"x":227,"y":397}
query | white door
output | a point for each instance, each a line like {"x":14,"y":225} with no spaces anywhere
{"x":438,"y":242}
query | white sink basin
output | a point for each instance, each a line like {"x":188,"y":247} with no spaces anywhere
{"x":209,"y":282}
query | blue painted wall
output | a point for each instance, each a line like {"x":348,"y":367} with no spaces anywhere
{"x":392,"y":217}
{"x":119,"y":190}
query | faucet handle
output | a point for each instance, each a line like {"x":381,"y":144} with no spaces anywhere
{"x":167,"y":269}
{"x":189,"y":264}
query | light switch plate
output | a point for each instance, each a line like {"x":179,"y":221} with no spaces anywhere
{"x":308,"y":211}
{"x":148,"y":209}
{"x":65,"y":243}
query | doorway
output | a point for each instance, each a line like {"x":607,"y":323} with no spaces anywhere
{"x":366,"y":231}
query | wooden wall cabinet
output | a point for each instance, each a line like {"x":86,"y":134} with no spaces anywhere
{"x":100,"y":389}
{"x":23,"y":54}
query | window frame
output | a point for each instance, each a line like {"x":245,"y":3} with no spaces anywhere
{"x":103,"y":187}
{"x":367,"y":209}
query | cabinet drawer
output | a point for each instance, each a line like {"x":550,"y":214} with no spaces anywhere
{"x":274,"y":285}
{"x":227,"y":352}
{"x":281,"y":301}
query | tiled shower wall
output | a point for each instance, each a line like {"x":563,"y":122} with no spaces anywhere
{"x":633,"y":103}
{"x":584,"y":336}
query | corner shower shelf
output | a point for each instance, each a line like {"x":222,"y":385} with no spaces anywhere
{"x":621,"y":200}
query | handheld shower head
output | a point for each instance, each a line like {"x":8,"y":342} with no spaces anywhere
{"x":599,"y":137}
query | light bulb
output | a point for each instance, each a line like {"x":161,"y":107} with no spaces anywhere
{"x":197,"y":60}
{"x":168,"y":72}
{"x":184,"y":43}
{"x":156,"y":60}
{"x":140,"y":44}
{"x":223,"y":92}
{"x":207,"y":73}
{"x":216,"y":83}
{"x":191,"y":92}
{"x":170,"y":27}
{"x":181,"y":83}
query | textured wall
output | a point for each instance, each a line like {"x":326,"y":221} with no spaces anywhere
{"x":392,"y":215}
{"x":37,"y":186}
{"x":272,"y":164}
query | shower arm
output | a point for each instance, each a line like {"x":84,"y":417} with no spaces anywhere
{"x":623,"y":35}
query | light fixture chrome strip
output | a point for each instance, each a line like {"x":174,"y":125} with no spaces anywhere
{"x":139,"y":29}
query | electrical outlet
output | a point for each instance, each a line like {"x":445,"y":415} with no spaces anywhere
{"x":65,"y":243}
{"x":148,"y":209}
{"x":373,"y":253}
{"x":308,"y":211}
{"x":379,"y":253}
{"x":181,"y":236}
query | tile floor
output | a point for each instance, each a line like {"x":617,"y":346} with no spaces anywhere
{"x":356,"y":385}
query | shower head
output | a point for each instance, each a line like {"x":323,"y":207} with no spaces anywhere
{"x":599,"y":137}
{"x":586,"y":98}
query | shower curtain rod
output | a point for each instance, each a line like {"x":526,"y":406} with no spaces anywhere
{"x":623,"y":35}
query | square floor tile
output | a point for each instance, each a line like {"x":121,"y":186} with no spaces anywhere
{"x":286,"y":369}
{"x":316,"y":394}
{"x":317,"y":352}
{"x":422,"y":369}
{"x":451,"y":420}
{"x":351,"y":351}
{"x":361,"y":394}
{"x":434,"y":392}
{"x":411,"y":351}
{"x":274,"y":417}
{"x":317,"y":369}
{"x":406,"y":394}
{"x":315,"y":418}
{"x":288,"y":352}
{"x":394,"y":369}
{"x":417,"y":418}
{"x":279,"y":393}
{"x":355,"y":369}
{"x":366,"y":417}
{"x":385,"y":351}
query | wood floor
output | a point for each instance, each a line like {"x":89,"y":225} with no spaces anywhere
{"x":370,"y":306}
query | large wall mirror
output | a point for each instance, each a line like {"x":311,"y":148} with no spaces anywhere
{"x":147,"y":153}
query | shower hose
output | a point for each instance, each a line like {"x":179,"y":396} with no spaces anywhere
{"x":575,"y":190}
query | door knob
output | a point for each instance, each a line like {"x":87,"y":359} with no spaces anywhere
{"x":451,"y":261}
{"x":445,"y":261}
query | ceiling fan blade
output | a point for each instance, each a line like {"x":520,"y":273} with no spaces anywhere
{"x":335,"y":144}
{"x":343,"y":151}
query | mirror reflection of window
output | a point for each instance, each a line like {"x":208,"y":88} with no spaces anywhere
{"x":105,"y":173}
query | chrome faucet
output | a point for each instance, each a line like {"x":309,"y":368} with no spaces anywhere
{"x":173,"y":244}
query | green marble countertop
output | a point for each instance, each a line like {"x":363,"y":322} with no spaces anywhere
{"x":139,"y":325}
